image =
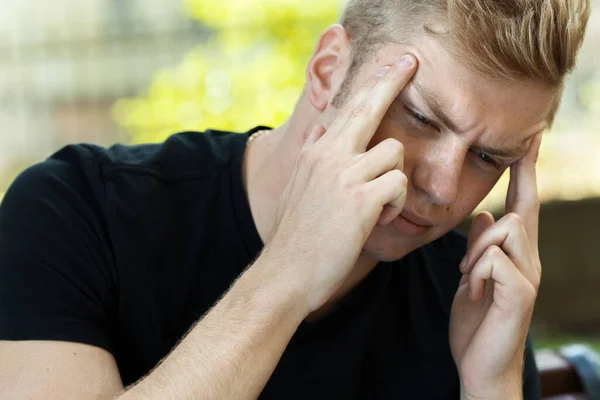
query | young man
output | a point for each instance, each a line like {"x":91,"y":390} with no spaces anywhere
{"x":144,"y":267}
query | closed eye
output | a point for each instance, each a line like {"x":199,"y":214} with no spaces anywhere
{"x":420,"y":118}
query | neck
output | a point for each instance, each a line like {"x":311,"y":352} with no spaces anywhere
{"x":268,"y":166}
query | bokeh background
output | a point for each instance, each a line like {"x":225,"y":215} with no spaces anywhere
{"x":132,"y":71}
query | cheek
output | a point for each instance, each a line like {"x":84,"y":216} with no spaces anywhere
{"x":380,"y":135}
{"x":473,"y":188}
{"x":389,"y":128}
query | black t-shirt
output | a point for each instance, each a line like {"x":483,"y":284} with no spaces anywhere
{"x":125,"y":248}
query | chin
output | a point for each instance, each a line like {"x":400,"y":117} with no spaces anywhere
{"x":384,"y":244}
{"x":385,"y":247}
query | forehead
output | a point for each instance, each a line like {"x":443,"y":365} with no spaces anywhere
{"x":499,"y":110}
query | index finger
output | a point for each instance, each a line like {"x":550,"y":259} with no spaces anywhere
{"x":522,"y":197}
{"x":366,"y":115}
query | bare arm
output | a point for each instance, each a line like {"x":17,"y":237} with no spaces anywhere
{"x":56,"y":370}
{"x":229,"y":354}
{"x":233,"y":350}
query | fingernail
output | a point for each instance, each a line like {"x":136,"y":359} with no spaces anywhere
{"x":406,"y":61}
{"x":382,"y":71}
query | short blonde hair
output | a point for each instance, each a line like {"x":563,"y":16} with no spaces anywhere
{"x":499,"y":39}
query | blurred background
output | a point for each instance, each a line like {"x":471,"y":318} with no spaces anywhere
{"x":106,"y":71}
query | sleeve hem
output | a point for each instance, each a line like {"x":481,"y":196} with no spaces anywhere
{"x":56,"y":329}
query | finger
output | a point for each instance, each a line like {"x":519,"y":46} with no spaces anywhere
{"x":385,"y":156}
{"x":522,"y":197}
{"x":494,"y":266}
{"x":509,"y":235}
{"x":366,"y":117}
{"x":351,"y":107}
{"x":389,"y":189}
{"x":314,"y":135}
{"x":387,"y":215}
{"x":480,"y":223}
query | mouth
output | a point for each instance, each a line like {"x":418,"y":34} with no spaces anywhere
{"x":415,"y":219}
{"x":410,"y":224}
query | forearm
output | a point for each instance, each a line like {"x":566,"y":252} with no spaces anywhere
{"x":509,"y":388}
{"x":233,"y":350}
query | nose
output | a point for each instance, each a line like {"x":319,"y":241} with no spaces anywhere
{"x":438,"y":172}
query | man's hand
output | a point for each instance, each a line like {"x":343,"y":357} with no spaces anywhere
{"x":338,"y":192}
{"x":493,"y":305}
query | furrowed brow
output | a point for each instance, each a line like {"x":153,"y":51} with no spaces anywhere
{"x":432,"y":101}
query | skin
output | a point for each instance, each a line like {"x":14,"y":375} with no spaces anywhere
{"x":447,"y":178}
{"x":323,"y":189}
{"x":448,"y":174}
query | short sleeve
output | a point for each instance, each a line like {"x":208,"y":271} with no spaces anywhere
{"x":57,"y":280}
{"x":531,"y":376}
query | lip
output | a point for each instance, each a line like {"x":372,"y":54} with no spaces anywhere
{"x":415,"y":219}
{"x":409,"y":224}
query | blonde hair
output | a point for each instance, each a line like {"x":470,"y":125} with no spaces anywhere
{"x":500,"y":39}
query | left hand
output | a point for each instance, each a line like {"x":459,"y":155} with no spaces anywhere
{"x":494,"y":302}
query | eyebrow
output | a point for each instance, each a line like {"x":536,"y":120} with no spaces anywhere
{"x":432,"y":101}
{"x":512,"y":152}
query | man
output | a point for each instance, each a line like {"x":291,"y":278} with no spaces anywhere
{"x":144,"y":267}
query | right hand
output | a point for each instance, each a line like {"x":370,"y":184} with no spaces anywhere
{"x":339,"y":191}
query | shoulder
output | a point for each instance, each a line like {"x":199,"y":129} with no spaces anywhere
{"x":85,"y":168}
{"x":183,"y":155}
{"x":78,"y":181}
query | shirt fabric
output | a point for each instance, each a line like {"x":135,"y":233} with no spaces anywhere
{"x":126,"y":247}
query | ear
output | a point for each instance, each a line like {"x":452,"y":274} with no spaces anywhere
{"x":327,"y":66}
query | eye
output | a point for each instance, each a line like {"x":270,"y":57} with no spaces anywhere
{"x":485,"y":158}
{"x":420,"y":118}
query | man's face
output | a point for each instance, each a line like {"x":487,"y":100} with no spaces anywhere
{"x":460,"y":133}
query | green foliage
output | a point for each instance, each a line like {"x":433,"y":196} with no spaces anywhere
{"x":251,"y":70}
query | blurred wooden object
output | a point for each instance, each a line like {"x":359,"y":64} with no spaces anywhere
{"x":559,"y":378}
{"x":572,"y":372}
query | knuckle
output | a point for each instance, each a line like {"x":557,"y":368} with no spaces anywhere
{"x":398,"y":177}
{"x":305,"y":157}
{"x":346,"y":112}
{"x":494,"y":252}
{"x":480,"y":270}
{"x":536,"y":281}
{"x":308,"y":159}
{"x":342,"y":179}
{"x":358,"y":196}
{"x":514,"y":219}
{"x":360,"y":110}
{"x":395,"y":146}
{"x":528,"y":291}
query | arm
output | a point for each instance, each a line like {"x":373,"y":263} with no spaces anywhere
{"x":494,"y":302}
{"x":233,"y":350}
{"x":42,"y":369}
{"x":229,"y":354}
{"x":241,"y":340}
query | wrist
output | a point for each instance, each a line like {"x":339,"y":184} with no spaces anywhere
{"x":499,"y":390}
{"x":516,"y":395}
{"x":275,"y":290}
